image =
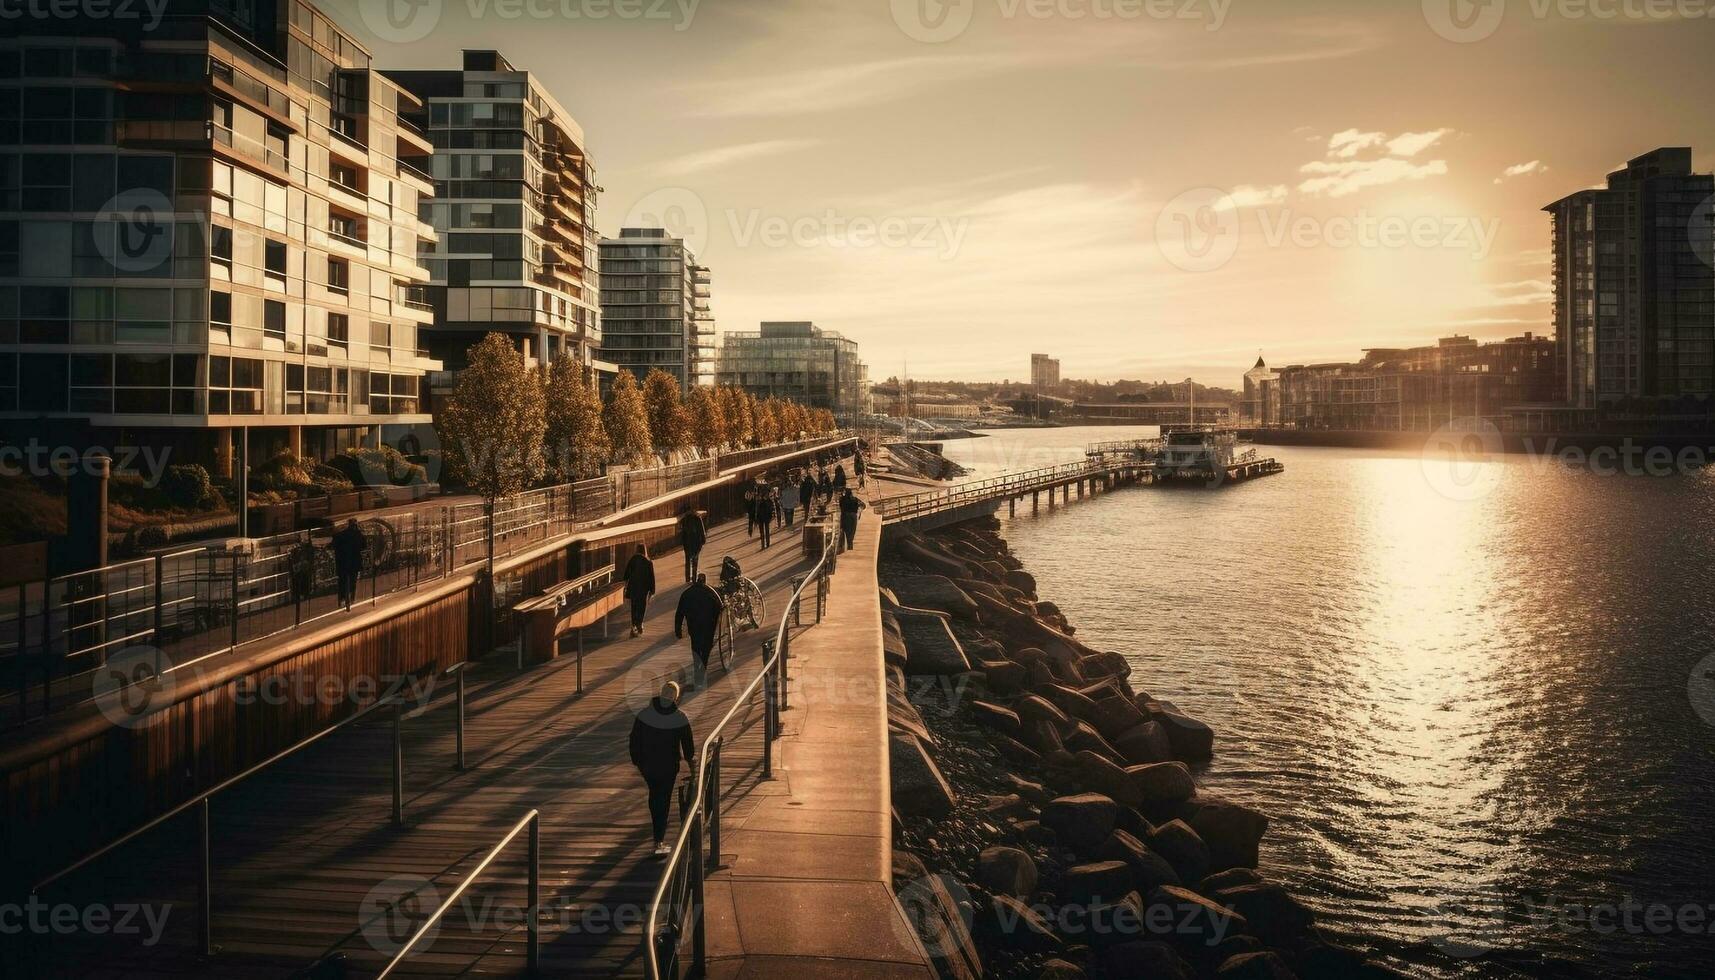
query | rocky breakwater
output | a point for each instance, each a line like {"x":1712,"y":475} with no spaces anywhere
{"x":1047,"y":820}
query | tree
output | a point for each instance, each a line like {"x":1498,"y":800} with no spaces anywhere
{"x":494,"y":425}
{"x":627,"y":423}
{"x":767,"y":424}
{"x":577,"y":442}
{"x":736,"y":411}
{"x":752,"y":416}
{"x":708,"y":424}
{"x":669,"y":425}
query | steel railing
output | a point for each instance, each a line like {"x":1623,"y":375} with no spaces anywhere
{"x":678,"y":899}
{"x":995,"y":488}
{"x":532,"y":925}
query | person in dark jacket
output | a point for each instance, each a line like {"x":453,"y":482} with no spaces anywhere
{"x":858,"y":467}
{"x":700,"y":611}
{"x":825,"y":486}
{"x":348,"y":548}
{"x":764,"y":512}
{"x":639,"y":586}
{"x":807,"y":493}
{"x":839,"y":478}
{"x":850,"y":505}
{"x":692,"y":536}
{"x":660,"y":734}
{"x":750,"y":510}
{"x":790,"y":494}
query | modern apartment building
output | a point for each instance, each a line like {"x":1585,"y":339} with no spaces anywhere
{"x":1044,"y":371}
{"x":655,"y":306}
{"x":1417,"y":389}
{"x":796,"y":360}
{"x":208,"y":226}
{"x":514,"y":209}
{"x":1634,"y":284}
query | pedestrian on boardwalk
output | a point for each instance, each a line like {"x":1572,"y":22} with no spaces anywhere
{"x":850,"y":505}
{"x":775,"y":489}
{"x":692,"y":536}
{"x":807,"y":493}
{"x":839,"y":478}
{"x":825,"y":486}
{"x":789,"y":496}
{"x":639,"y":586}
{"x":700,"y":611}
{"x":750,"y":509}
{"x":859,"y":469}
{"x":660,"y":734}
{"x":348,"y":548}
{"x":764,"y":515}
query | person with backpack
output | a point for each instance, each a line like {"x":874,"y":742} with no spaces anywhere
{"x":660,"y":735}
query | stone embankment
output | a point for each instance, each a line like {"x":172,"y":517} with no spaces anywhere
{"x":1046,"y":819}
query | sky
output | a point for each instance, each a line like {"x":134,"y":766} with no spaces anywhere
{"x":1152,"y":189}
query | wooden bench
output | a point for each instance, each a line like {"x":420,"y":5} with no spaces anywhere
{"x":566,"y":608}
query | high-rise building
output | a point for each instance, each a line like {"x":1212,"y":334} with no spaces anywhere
{"x":655,"y":306}
{"x":1634,"y":287}
{"x":1044,"y":371}
{"x":515,"y":210}
{"x":207,"y":224}
{"x":796,"y":360}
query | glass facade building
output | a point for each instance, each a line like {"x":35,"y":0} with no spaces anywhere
{"x":206,"y":224}
{"x":655,"y":307}
{"x":796,"y":360}
{"x":514,"y":212}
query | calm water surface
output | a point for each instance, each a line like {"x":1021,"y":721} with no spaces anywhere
{"x":1478,"y":725}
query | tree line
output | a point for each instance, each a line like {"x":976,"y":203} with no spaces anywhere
{"x":508,"y":426}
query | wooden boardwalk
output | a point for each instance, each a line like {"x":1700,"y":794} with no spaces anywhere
{"x":307,"y":863}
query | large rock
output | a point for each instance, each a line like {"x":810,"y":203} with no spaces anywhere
{"x":1163,"y":784}
{"x":929,"y":558}
{"x":1230,"y":878}
{"x":1114,"y":716}
{"x":1107,"y":664}
{"x":1041,"y":735}
{"x":1006,"y":871}
{"x":1180,"y":845}
{"x":1192,"y":740}
{"x":1145,"y":744}
{"x":1081,"y":821}
{"x":1019,"y":926}
{"x":997,"y":718}
{"x":1097,"y":773}
{"x":1274,"y":913}
{"x":919,"y":789}
{"x":930,"y":646}
{"x":1232,"y":832}
{"x":1146,"y":961}
{"x":1085,"y":884}
{"x":1015,"y":750}
{"x":1002,"y":676}
{"x":1083,"y":737}
{"x":1060,"y":970}
{"x":935,"y":592}
{"x":1072,"y":702}
{"x":1149,"y":870}
{"x":1265,"y":965}
{"x":1032,"y":791}
{"x":1197,"y":921}
{"x":938,"y":919}
{"x":1022,"y":581}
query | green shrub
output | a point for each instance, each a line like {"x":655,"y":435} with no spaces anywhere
{"x":188,"y":487}
{"x":378,"y":467}
{"x":153,"y":536}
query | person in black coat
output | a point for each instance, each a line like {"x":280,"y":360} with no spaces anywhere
{"x":850,"y":505}
{"x":692,"y":536}
{"x":858,"y":467}
{"x":348,"y":548}
{"x":825,"y":486}
{"x":660,"y":734}
{"x":764,"y":512}
{"x":639,"y":586}
{"x":807,"y":493}
{"x":699,"y":610}
{"x":839,"y":478}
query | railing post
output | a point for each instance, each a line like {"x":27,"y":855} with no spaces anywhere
{"x":398,"y":765}
{"x":460,"y":717}
{"x":235,"y":601}
{"x":699,"y":924}
{"x":205,"y":889}
{"x":534,"y":926}
{"x":713,"y":803}
{"x":160,"y":565}
{"x":578,"y":646}
{"x":769,"y":721}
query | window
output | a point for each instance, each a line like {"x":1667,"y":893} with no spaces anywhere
{"x":274,"y":259}
{"x":344,"y":228}
{"x":339,"y":329}
{"x":344,"y":176}
{"x":220,"y":309}
{"x":235,"y":386}
{"x":380,"y":335}
{"x":220,"y":245}
{"x":274,"y":319}
{"x":339,"y":275}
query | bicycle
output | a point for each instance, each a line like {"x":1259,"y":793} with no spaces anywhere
{"x":741,"y":598}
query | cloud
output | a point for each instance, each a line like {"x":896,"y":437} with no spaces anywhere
{"x":1522,"y":170}
{"x":1251,"y":196}
{"x":720,"y":156}
{"x":1525,"y":292}
{"x":1350,"y":142}
{"x":816,"y":90}
{"x":1342,"y":177}
{"x":1411,"y":144}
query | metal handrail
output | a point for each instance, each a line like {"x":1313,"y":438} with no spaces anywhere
{"x":706,"y":804}
{"x":533,"y":820}
{"x":916,"y":505}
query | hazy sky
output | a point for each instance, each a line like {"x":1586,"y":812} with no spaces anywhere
{"x":1144,"y":188}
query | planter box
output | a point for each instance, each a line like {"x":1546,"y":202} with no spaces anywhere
{"x":344,"y":503}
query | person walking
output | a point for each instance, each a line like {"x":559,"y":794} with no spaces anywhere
{"x":750,"y":509}
{"x":789,"y":502}
{"x":775,"y":489}
{"x":692,"y":536}
{"x":807,"y":493}
{"x":839,"y":478}
{"x":859,"y":469}
{"x":699,"y":611}
{"x":348,"y":548}
{"x":764,"y":515}
{"x":639,"y":586}
{"x":825,"y":486}
{"x":660,"y":734}
{"x":850,"y":505}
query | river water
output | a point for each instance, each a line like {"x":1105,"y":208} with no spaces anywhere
{"x":1477,"y":707}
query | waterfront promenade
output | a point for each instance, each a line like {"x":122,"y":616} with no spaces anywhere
{"x":307,"y":865}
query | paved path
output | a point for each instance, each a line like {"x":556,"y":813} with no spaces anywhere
{"x":307,"y":863}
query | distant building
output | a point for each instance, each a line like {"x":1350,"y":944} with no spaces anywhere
{"x":1255,"y":407}
{"x":1044,"y":371}
{"x":1417,"y":389}
{"x":515,"y":213}
{"x":655,"y":307}
{"x":1634,"y":284}
{"x":1147,"y":413}
{"x":796,"y":360}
